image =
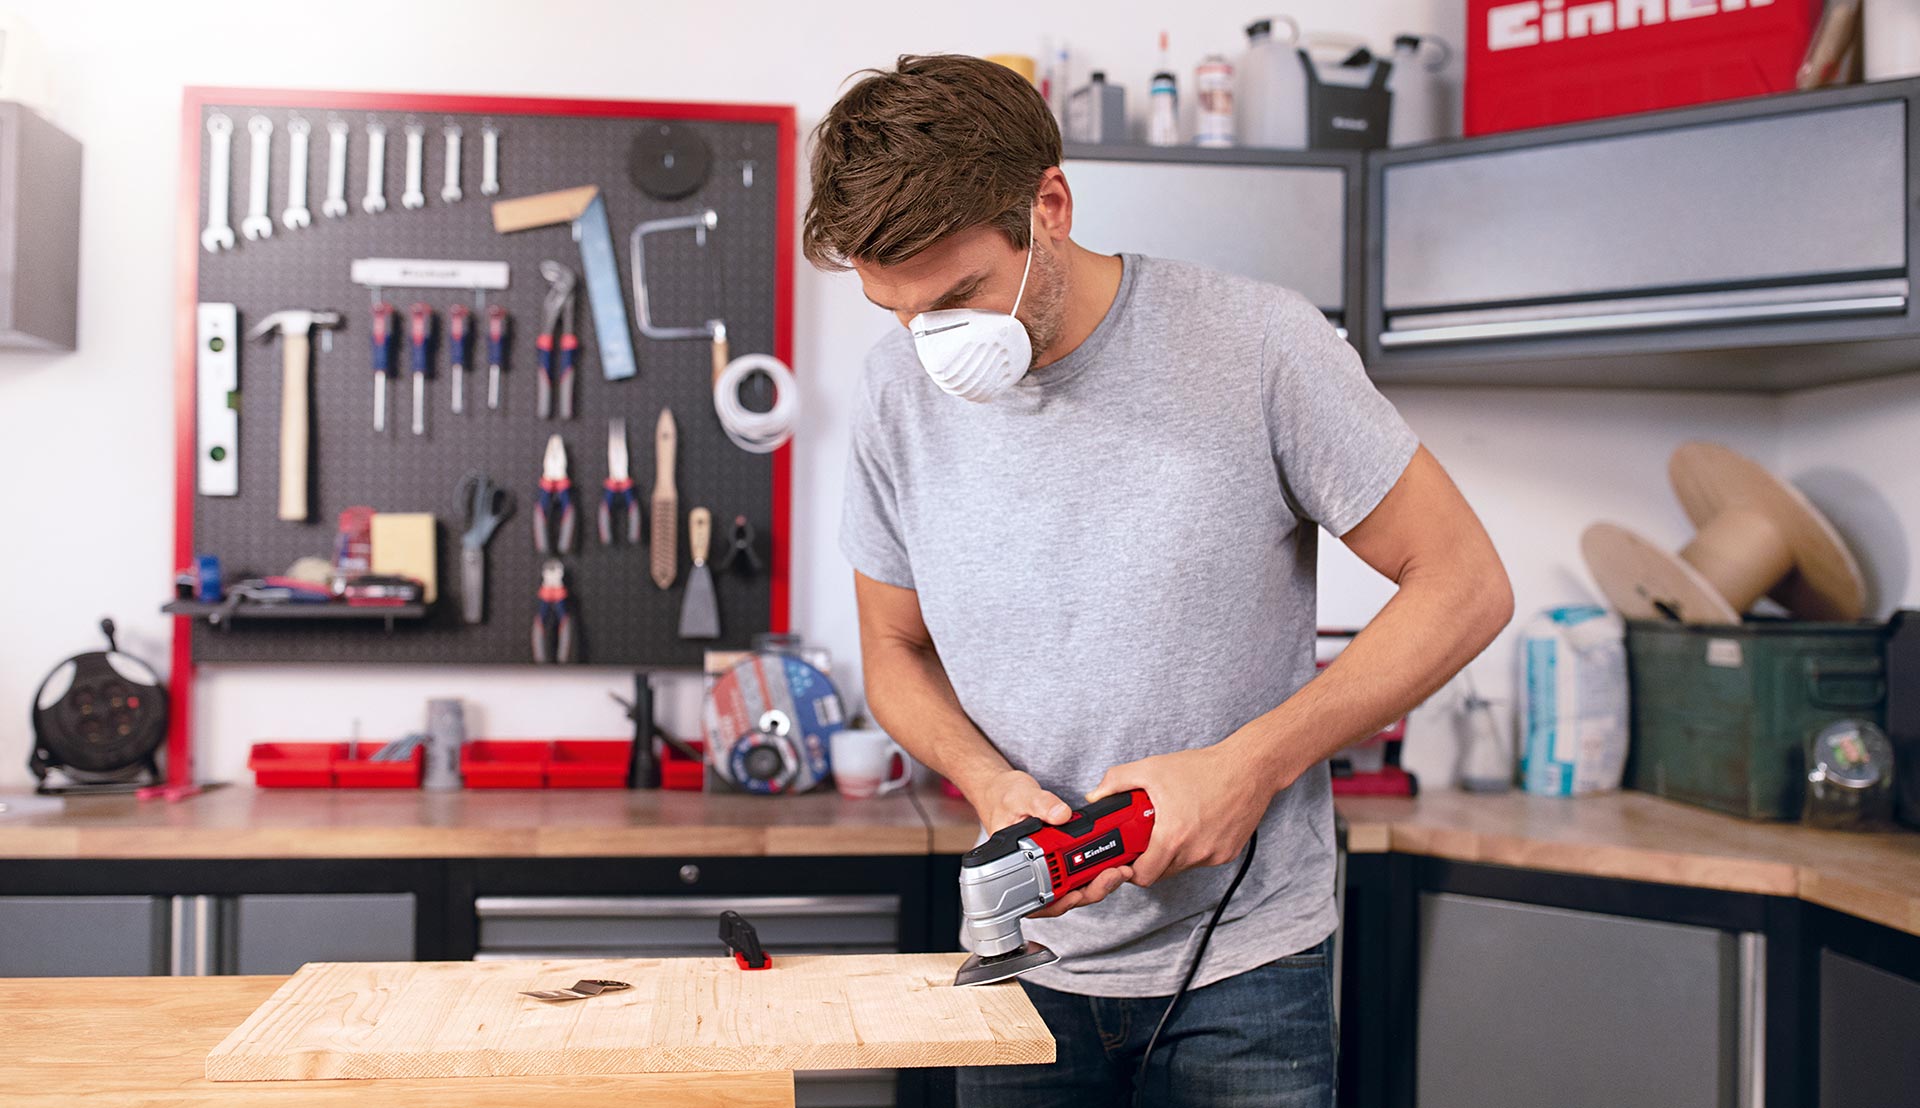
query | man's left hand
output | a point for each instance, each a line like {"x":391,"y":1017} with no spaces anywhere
{"x":1206,"y":804}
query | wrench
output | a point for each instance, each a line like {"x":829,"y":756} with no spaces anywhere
{"x":416,"y":154}
{"x":376,"y":198}
{"x":335,"y":205}
{"x":450,"y":192}
{"x":218,"y":235}
{"x":258,"y":225}
{"x":296,"y":214}
{"x":489,"y":159}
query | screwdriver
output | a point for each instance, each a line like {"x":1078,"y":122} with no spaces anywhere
{"x":496,"y":351}
{"x":420,"y":334}
{"x":382,"y":360}
{"x":457,"y":353}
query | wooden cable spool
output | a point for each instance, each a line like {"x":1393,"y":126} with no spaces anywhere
{"x":1756,"y":536}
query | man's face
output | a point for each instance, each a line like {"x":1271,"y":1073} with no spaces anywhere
{"x":975,"y":268}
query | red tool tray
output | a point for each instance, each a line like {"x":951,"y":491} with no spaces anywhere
{"x":496,"y":764}
{"x":364,"y":773}
{"x":280,"y":765}
{"x":588,"y":763}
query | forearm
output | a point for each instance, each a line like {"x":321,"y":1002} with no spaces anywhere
{"x":912,"y":699}
{"x":1435,"y":624}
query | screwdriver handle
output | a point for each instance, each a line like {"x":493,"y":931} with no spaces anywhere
{"x":496,"y":335}
{"x":457,"y":317}
{"x":420,"y":331}
{"x":383,"y":337}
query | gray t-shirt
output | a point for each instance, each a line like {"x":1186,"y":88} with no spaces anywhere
{"x":1116,"y":559}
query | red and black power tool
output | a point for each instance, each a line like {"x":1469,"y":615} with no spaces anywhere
{"x":1028,"y":865}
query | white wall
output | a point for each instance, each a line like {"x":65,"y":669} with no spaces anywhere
{"x":96,"y":426}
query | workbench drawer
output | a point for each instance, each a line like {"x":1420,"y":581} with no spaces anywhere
{"x":679,"y":926}
{"x":83,"y":936}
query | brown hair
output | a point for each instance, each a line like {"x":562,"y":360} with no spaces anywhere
{"x":941,"y":143}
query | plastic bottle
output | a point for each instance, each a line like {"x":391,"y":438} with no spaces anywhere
{"x":1163,"y":103}
{"x":1273,"y":88}
{"x":1419,"y":110}
{"x":1213,"y":110}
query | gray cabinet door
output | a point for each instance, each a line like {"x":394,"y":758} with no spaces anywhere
{"x":1782,"y":198}
{"x":1283,"y":224}
{"x":1520,"y":1004}
{"x":279,"y":934}
{"x":83,"y":936}
{"x":1868,"y":1020}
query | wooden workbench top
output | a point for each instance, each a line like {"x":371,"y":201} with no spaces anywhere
{"x":405,"y":823}
{"x":1628,"y":835}
{"x":142,"y":1042}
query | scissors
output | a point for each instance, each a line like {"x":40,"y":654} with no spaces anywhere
{"x":485,"y":505}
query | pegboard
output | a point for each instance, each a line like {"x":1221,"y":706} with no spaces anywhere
{"x":741,"y":276}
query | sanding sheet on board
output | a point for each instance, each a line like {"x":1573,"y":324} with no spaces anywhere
{"x":468,"y":1019}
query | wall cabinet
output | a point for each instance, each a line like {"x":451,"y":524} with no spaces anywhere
{"x":39,"y":232}
{"x":1756,"y":245}
{"x":1288,"y":217}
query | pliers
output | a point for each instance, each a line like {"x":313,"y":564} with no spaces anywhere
{"x":618,"y":499}
{"x":557,"y":318}
{"x":555,"y":504}
{"x":551,"y":621}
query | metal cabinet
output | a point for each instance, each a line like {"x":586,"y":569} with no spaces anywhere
{"x":84,"y":936}
{"x":1755,"y":245}
{"x":1868,"y":1018}
{"x":1524,"y":1004}
{"x":279,"y":933}
{"x":39,"y":232}
{"x":1290,"y":218}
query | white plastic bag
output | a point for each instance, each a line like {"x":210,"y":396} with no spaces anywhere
{"x":1573,"y":702}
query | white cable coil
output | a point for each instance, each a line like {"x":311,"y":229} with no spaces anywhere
{"x":757,"y":432}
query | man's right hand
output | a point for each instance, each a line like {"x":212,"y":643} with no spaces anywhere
{"x":1011,"y":796}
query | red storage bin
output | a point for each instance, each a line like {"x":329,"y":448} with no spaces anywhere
{"x":588,"y":763}
{"x":278,"y":765}
{"x":683,"y":774}
{"x":494,"y":764}
{"x":363,"y":772}
{"x":1541,"y":62}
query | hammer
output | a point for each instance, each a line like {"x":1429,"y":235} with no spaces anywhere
{"x":294,"y":326}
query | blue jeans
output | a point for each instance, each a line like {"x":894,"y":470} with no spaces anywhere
{"x":1264,"y":1037}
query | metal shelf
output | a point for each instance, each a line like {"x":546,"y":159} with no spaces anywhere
{"x":220,"y":614}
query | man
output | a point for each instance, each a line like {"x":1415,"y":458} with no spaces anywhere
{"x":1082,"y":508}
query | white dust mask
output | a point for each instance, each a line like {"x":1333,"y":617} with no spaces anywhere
{"x":972,"y":353}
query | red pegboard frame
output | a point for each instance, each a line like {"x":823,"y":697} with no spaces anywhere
{"x":195,"y":99}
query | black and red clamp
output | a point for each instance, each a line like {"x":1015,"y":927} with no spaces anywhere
{"x":744,"y":941}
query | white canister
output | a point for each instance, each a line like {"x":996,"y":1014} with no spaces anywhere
{"x":1420,"y":86}
{"x":1272,"y":104}
{"x":1891,"y":37}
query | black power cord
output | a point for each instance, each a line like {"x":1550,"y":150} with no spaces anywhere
{"x":1193,"y":967}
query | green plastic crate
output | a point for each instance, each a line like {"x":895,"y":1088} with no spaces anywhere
{"x":1721,"y":715}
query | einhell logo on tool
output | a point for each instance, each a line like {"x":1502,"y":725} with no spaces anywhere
{"x":1092,"y":853}
{"x":1513,"y":26}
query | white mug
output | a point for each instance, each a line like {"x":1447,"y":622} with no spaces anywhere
{"x":868,"y":763}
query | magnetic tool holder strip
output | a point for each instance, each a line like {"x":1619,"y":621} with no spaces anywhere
{"x":741,"y":273}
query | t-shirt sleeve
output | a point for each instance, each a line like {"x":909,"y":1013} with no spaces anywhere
{"x":1338,"y":443}
{"x":870,"y":531}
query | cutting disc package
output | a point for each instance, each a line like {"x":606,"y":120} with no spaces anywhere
{"x":769,"y":721}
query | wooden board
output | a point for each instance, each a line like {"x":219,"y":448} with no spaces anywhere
{"x":463,"y":1019}
{"x":141,"y":1042}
